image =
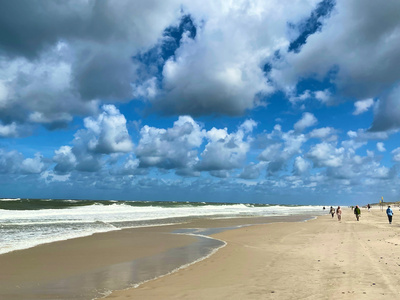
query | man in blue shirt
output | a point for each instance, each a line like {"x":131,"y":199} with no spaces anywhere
{"x":389,"y":213}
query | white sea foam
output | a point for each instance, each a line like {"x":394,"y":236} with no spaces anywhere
{"x":27,"y":241}
{"x":21,"y":229}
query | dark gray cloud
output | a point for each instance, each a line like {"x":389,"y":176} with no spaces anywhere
{"x":363,"y":53}
{"x":60,"y":58}
{"x":89,"y":163}
{"x":387,"y":111}
{"x":356,"y":47}
{"x":252,"y":171}
{"x":105,"y":75}
{"x":28,"y":27}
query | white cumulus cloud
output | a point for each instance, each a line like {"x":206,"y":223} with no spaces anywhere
{"x":362,"y":106}
{"x":307,"y":120}
{"x":396,"y":154}
{"x":108,"y":132}
{"x":380,"y":146}
{"x":172,"y":148}
{"x":301,"y":165}
{"x":226,"y":151}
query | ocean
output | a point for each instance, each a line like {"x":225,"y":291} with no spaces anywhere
{"x":25,"y":223}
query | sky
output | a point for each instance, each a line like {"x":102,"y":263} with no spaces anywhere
{"x":250,"y":101}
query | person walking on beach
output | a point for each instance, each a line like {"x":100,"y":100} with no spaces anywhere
{"x":369,"y":207}
{"x":357,"y":212}
{"x":389,"y":213}
{"x":332,"y":211}
{"x":339,"y":213}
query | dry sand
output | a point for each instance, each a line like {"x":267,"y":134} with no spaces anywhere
{"x":318,"y":259}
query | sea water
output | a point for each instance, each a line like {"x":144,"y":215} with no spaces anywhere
{"x":25,"y":223}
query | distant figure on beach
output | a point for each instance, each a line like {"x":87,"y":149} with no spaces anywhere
{"x":357,"y":212}
{"x":369,"y":207}
{"x":332,"y":211}
{"x":339,"y":213}
{"x":389,"y":213}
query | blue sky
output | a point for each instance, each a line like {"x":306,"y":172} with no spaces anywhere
{"x":293,"y":102}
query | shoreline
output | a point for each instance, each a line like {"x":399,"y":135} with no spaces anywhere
{"x":27,"y":223}
{"x":103,"y":262}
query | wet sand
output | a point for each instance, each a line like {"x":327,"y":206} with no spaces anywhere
{"x":89,"y":267}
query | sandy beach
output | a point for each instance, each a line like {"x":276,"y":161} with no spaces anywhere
{"x":317,"y":259}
